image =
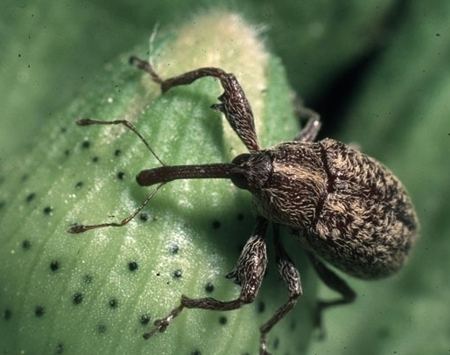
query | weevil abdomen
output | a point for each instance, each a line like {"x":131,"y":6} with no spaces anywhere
{"x":367,"y":223}
{"x":349,"y":209}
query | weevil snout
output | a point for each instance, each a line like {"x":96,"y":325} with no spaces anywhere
{"x":251,"y":171}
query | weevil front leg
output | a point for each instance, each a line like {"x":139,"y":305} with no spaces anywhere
{"x":310,"y":131}
{"x":249,"y":273}
{"x":333,"y":281}
{"x":234,"y":103}
{"x":291,"y":277}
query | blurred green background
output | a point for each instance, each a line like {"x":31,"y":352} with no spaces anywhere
{"x":377,"y":71}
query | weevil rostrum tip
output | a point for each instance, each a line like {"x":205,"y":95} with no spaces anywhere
{"x":346,"y":208}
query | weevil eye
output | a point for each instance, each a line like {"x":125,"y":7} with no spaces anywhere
{"x":240,"y":180}
{"x":238,"y":176}
{"x":241,"y":159}
{"x":251,"y":171}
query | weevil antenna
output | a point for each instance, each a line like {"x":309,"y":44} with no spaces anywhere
{"x":81,"y":228}
{"x":127,"y":124}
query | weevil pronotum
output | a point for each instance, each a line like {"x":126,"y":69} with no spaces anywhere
{"x":345,"y":207}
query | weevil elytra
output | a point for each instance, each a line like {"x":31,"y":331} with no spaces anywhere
{"x":346,"y":208}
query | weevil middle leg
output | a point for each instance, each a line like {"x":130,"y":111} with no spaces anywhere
{"x":291,"y":277}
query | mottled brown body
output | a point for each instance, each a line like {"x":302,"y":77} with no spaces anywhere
{"x":348,"y":208}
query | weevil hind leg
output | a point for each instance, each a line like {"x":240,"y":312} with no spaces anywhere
{"x":249,"y":273}
{"x":233,"y":101}
{"x":334,"y":282}
{"x":313,"y":123}
{"x":291,"y":277}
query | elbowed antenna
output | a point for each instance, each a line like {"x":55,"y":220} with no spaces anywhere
{"x":165,"y":174}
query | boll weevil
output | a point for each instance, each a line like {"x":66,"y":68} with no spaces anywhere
{"x":346,"y":208}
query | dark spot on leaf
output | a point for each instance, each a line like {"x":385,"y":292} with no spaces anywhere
{"x":26,"y":245}
{"x":113,"y":303}
{"x":276,"y":343}
{"x":240,"y":217}
{"x":77,"y":298}
{"x":59,"y":348}
{"x":177,"y":274}
{"x":117,"y":152}
{"x":63,"y":130}
{"x":133,"y":266}
{"x":86,"y":144}
{"x":383,"y":333}
{"x":293,"y":325}
{"x":261,"y":307}
{"x":174,"y":249}
{"x":144,"y":319}
{"x":438,"y":35}
{"x":101,"y":328}
{"x":143,"y":216}
{"x":30,"y":197}
{"x":95,"y":159}
{"x":7,"y":314}
{"x":67,"y":152}
{"x":39,"y":311}
{"x":48,"y":210}
{"x":87,"y":279}
{"x":223,"y":320}
{"x":158,"y":274}
{"x":209,"y":287}
{"x":120,"y":175}
{"x":54,"y":265}
{"x":216,"y":224}
{"x":2,"y":204}
{"x":79,"y":184}
{"x":196,"y":352}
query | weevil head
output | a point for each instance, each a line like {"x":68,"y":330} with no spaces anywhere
{"x":251,"y":171}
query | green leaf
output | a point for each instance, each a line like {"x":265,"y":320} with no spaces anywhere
{"x":90,"y":293}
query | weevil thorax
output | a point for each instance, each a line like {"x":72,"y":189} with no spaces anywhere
{"x":295,"y":187}
{"x":286,"y":181}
